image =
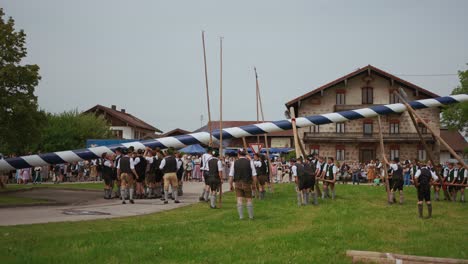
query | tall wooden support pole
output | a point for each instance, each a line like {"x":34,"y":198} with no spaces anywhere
{"x":382,"y":149}
{"x":257,"y":99}
{"x":410,"y":109}
{"x":296,"y":138}
{"x":221,"y":116}
{"x":207,"y":92}
{"x":265,"y":135}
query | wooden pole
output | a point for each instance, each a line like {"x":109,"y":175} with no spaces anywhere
{"x":410,"y":109}
{"x":265,"y":135}
{"x":221,"y":116}
{"x":207,"y":92}
{"x":382,"y":150}
{"x":257,"y":99}
{"x":296,"y":138}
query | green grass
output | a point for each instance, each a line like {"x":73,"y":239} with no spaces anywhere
{"x":281,"y":233}
{"x":12,"y":200}
{"x":83,"y":186}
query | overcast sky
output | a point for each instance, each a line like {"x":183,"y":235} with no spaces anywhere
{"x":146,"y":56}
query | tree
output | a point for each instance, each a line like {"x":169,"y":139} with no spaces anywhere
{"x":69,"y":130}
{"x":456,"y":116}
{"x":20,"y":119}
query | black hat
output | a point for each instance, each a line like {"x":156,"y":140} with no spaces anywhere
{"x":242,"y":152}
{"x":310,"y":157}
{"x":124,"y":151}
{"x":215,"y":153}
{"x":119,"y":149}
{"x":140,"y":151}
{"x":292,"y":160}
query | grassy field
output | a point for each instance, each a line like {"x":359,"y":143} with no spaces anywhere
{"x":281,"y":233}
{"x":11,"y":200}
{"x":86,"y":186}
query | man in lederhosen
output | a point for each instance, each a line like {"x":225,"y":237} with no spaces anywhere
{"x":243,"y":174}
{"x":461,"y":180}
{"x":215,"y":175}
{"x":127,"y":175}
{"x":180,"y":174}
{"x":169,"y":166}
{"x":115,"y":176}
{"x":329,"y":176}
{"x":140,"y":167}
{"x":397,"y":179}
{"x":261,"y":169}
{"x":297,"y":170}
{"x":151,"y":173}
{"x":107,"y":173}
{"x":450,"y":176}
{"x":204,"y":169}
{"x":309,"y":175}
{"x":422,"y":180}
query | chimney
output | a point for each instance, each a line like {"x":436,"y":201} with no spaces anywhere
{"x":122,"y":110}
{"x":114,"y":107}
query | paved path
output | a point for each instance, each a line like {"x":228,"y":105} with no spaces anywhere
{"x":89,"y":201}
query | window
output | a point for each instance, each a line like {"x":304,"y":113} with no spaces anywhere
{"x":367,"y":95}
{"x":394,"y":99}
{"x":315,"y":149}
{"x":368,"y":129}
{"x":118,"y":133}
{"x":394,"y":152}
{"x":340,"y":152}
{"x":136,"y":135}
{"x":422,"y":155}
{"x":394,"y":126}
{"x":314,"y":129}
{"x":340,"y":97}
{"x":340,"y":127}
{"x":422,"y":128}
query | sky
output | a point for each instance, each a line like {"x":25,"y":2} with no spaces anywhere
{"x":147,"y":56}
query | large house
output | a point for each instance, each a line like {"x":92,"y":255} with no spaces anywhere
{"x":281,"y":139}
{"x":359,"y":139}
{"x":123,"y":124}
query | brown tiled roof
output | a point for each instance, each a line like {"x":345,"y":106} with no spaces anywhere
{"x":226,"y":124}
{"x":454,"y":139}
{"x":125,"y":117}
{"x":177,"y":131}
{"x":357,"y":72}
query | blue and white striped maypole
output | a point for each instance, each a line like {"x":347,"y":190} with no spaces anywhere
{"x":232,"y":132}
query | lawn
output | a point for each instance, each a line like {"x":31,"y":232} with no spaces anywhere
{"x":281,"y":233}
{"x":12,"y":200}
{"x":86,"y":186}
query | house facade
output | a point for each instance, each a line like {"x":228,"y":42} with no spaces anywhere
{"x":358,"y":140}
{"x":123,"y":124}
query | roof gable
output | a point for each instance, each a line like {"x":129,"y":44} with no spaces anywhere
{"x":124,"y":117}
{"x":370,"y":69}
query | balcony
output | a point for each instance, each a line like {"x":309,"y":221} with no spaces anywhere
{"x":369,"y":138}
{"x":348,"y":107}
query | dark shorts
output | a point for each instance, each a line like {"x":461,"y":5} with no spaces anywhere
{"x":262,"y":179}
{"x":214,"y":183}
{"x":243,"y":189}
{"x":306,"y":183}
{"x":107,"y":179}
{"x":141,"y":178}
{"x":397,"y":185}
{"x":159,"y":176}
{"x":150,"y":178}
{"x":452,"y":188}
{"x":424,"y":193}
{"x":206,"y":175}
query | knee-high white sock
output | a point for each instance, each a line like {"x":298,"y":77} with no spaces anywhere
{"x":175,"y":193}
{"x":131,"y":194}
{"x":166,"y":195}
{"x":250,"y":210}
{"x":299,"y":198}
{"x":240,"y":210}
{"x":213,"y":200}
{"x":122,"y":193}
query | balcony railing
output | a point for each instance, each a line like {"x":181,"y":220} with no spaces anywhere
{"x":361,"y":137}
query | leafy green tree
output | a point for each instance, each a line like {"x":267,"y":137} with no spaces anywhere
{"x":456,"y":116}
{"x":70,"y":130}
{"x":20,"y":119}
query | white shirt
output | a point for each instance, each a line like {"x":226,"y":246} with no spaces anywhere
{"x":108,"y":163}
{"x":257,"y":163}
{"x":136,"y":161}
{"x":325,"y":169}
{"x":150,"y":159}
{"x":132,"y":164}
{"x":294,"y":170}
{"x":231,"y":171}
{"x":394,"y":166}
{"x":433,"y":175}
{"x":204,"y":159}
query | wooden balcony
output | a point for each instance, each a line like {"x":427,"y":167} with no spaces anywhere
{"x":348,"y":107}
{"x":361,"y":137}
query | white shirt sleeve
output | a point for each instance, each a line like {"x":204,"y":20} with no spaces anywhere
{"x":434,"y":176}
{"x":335,"y":170}
{"x":163,"y":163}
{"x":118,"y":164}
{"x":231,"y":170}
{"x":445,"y":172}
{"x":136,"y":161}
{"x":107,"y":163}
{"x":132,"y":164}
{"x":150,"y":160}
{"x":220,"y":166}
{"x":257,"y":163}
{"x":254,"y":172}
{"x":294,"y":171}
{"x":394,"y":166}
{"x":418,"y":173}
{"x":179,"y":164}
